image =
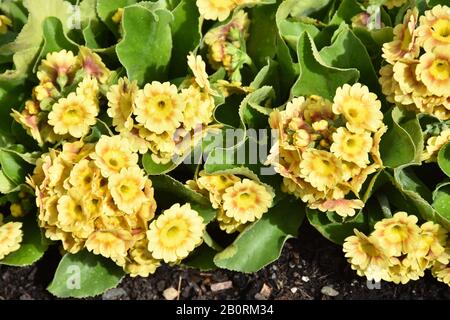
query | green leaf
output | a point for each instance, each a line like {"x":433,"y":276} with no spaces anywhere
{"x":347,"y":51}
{"x":441,"y":202}
{"x":54,"y":39}
{"x":443,"y":159}
{"x":165,"y":185}
{"x":332,"y":227}
{"x":95,"y":32}
{"x":84,"y":275}
{"x":152,"y":168}
{"x":27,"y":44}
{"x":202,"y":259}
{"x":99,"y":129}
{"x":346,"y":11}
{"x":6,"y":185}
{"x":397,"y":146}
{"x":251,"y":112}
{"x":106,"y":10}
{"x":31,"y":249}
{"x":186,"y":33}
{"x":261,"y":242}
{"x":146,"y":47}
{"x":315,"y":76}
{"x":13,"y":166}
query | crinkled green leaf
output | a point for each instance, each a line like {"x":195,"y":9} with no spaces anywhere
{"x":31,"y":249}
{"x":315,"y":76}
{"x":84,"y":275}
{"x":346,"y":11}
{"x":443,"y":159}
{"x":96,"y":34}
{"x":261,"y":242}
{"x":146,"y":47}
{"x":106,"y":10}
{"x":6,"y":185}
{"x":13,"y":166}
{"x":202,"y":259}
{"x":441,"y":203}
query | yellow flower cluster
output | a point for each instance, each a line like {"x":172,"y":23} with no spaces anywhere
{"x":65,"y":104}
{"x":159,"y":117}
{"x":398,"y":250}
{"x":220,"y":9}
{"x":240,"y":201}
{"x":95,"y":196}
{"x":417,"y":73}
{"x":226,"y":45}
{"x":10,"y":237}
{"x":326,"y":150}
{"x":5,"y":23}
{"x":434,"y":145}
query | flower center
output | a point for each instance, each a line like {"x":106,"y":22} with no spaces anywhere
{"x":440,"y":69}
{"x":441,"y":30}
{"x":396,"y":233}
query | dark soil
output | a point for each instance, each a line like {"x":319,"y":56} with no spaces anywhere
{"x":306,"y":265}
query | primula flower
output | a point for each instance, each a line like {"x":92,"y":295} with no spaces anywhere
{"x":127,"y":189}
{"x":58,"y":64}
{"x":110,"y":244}
{"x":88,"y":88}
{"x":366,"y":256}
{"x":434,"y":29}
{"x":215,"y":9}
{"x":216,"y":185}
{"x":227,"y":224}
{"x":246,"y":201}
{"x":140,"y":261}
{"x":404,"y":270}
{"x":121,"y":104}
{"x":82,"y":175}
{"x":73,"y":115}
{"x":434,"y":144}
{"x":431,"y":244}
{"x":198,"y":68}
{"x":112,"y":155}
{"x":135,"y":142}
{"x":343,"y":207}
{"x":10,"y":238}
{"x":397,"y":235}
{"x":320,"y":168}
{"x":404,"y":45}
{"x":158,"y":107}
{"x":72,"y":217}
{"x":442,"y":273}
{"x":175,"y":233}
{"x":434,"y":71}
{"x":5,"y":23}
{"x":198,"y":108}
{"x":93,"y":65}
{"x":352,"y":147}
{"x":359,"y":107}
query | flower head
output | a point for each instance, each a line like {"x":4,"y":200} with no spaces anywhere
{"x":127,"y":189}
{"x":198,"y":68}
{"x":359,"y":107}
{"x":158,"y":107}
{"x":58,"y":64}
{"x":140,"y":261}
{"x":215,"y":9}
{"x":397,"y":235}
{"x":112,"y":155}
{"x":246,"y":201}
{"x":343,"y":207}
{"x":73,"y":216}
{"x":352,"y":147}
{"x":110,"y":244}
{"x":121,"y":104}
{"x":83,"y":175}
{"x":10,"y":238}
{"x":73,"y":115}
{"x":216,"y":185}
{"x":434,"y":71}
{"x":198,"y":109}
{"x":321,"y":169}
{"x":434,"y":29}
{"x":93,"y":65}
{"x":175,"y":233}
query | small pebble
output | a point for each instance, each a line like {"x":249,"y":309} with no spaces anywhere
{"x":115,"y":294}
{"x":329,"y":291}
{"x":259,"y":296}
{"x":221,"y":286}
{"x":170,"y":293}
{"x":266,"y":291}
{"x":294,"y":290}
{"x":305,"y":279}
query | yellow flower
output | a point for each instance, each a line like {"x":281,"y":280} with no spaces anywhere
{"x":216,"y":185}
{"x":388,"y":84}
{"x":140,"y":261}
{"x":215,"y":9}
{"x":88,"y":88}
{"x":431,"y":244}
{"x":92,"y":64}
{"x":321,"y":169}
{"x":246,"y":201}
{"x":82,"y":176}
{"x":434,"y":29}
{"x":158,"y":107}
{"x":227,"y":224}
{"x":127,"y":189}
{"x":359,"y":107}
{"x":366,"y":256}
{"x":198,"y":68}
{"x":442,"y":273}
{"x":41,"y":92}
{"x":175,"y":233}
{"x":343,"y":207}
{"x":121,"y":104}
{"x":404,"y":270}
{"x":5,"y":23}
{"x":57,"y":64}
{"x":10,"y":238}
{"x":198,"y":108}
{"x":72,"y":217}
{"x":112,"y":154}
{"x":397,"y":235}
{"x":434,"y":144}
{"x":135,"y":142}
{"x":405,"y":75}
{"x":434,"y":71}
{"x":352,"y":147}
{"x":73,"y":115}
{"x":30,"y":123}
{"x":110,"y":244}
{"x":404,"y":44}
